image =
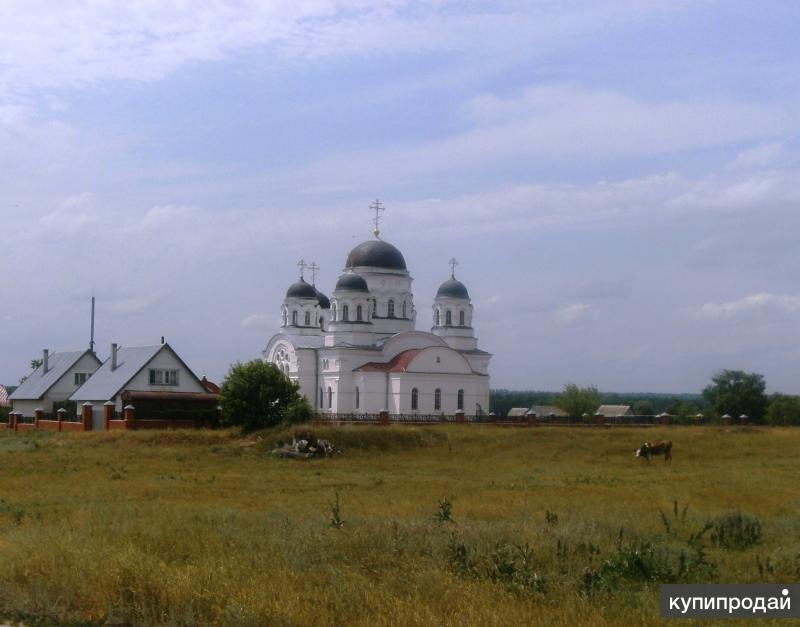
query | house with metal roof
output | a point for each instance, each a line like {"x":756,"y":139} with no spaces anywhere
{"x":55,"y":380}
{"x":547,"y":411}
{"x":611,"y":411}
{"x":4,"y":402}
{"x":147,"y":373}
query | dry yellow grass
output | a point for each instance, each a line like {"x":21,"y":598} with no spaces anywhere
{"x":204,"y":527}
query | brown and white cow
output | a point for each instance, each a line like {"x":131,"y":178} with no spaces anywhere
{"x":662,"y":447}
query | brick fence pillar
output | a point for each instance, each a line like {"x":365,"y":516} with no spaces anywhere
{"x":666,"y":419}
{"x":599,"y":420}
{"x":384,"y":416}
{"x":460,"y":417}
{"x":38,"y":414}
{"x":61,"y":414}
{"x":108,"y":414}
{"x":743,"y":420}
{"x":533,"y":419}
{"x":727,"y":420}
{"x":129,"y":416}
{"x":12,"y":420}
{"x":86,"y":415}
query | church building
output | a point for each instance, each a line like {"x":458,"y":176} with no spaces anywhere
{"x":359,"y":351}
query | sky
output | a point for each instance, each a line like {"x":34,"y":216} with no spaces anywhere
{"x":618,"y":180}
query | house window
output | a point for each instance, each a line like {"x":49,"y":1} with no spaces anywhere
{"x":161,"y":376}
{"x":294,"y":318}
{"x":330,"y":397}
{"x":404,"y":309}
{"x":358,"y":398}
{"x":448,"y":318}
{"x":461,"y":318}
{"x":436,"y":317}
{"x":461,"y":399}
{"x":80,"y":377}
{"x":359,"y":313}
{"x":415,"y":398}
{"x":345,"y":313}
{"x":390,"y":309}
{"x":308,"y":318}
{"x":437,"y":399}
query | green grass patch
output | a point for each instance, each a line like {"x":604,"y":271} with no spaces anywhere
{"x":444,"y":525}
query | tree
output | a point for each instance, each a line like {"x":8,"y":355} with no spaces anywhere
{"x":35,"y":363}
{"x":783,"y":410}
{"x":257,"y":395}
{"x":577,"y":401}
{"x":643,"y":408}
{"x":736,"y":392}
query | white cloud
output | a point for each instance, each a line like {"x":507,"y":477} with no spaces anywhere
{"x":50,"y":45}
{"x":752,"y":304}
{"x":131,"y":304}
{"x":761,"y":155}
{"x":571,"y":313}
{"x":259,"y":321}
{"x":72,"y":216}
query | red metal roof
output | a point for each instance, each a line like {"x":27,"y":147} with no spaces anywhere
{"x":399,"y":363}
{"x":210,"y":386}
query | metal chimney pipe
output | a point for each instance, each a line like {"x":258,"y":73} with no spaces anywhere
{"x":113,"y":357}
{"x":45,"y":361}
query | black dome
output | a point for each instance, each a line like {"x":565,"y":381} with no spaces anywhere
{"x":453,"y":288}
{"x":377,"y":254}
{"x":351,"y":282}
{"x":301,"y":289}
{"x":323,"y":300}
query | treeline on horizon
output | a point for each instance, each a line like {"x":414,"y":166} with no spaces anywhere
{"x":642,"y":403}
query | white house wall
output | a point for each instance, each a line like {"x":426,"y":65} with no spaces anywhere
{"x":163,"y":359}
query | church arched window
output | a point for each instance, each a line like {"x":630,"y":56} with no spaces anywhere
{"x":358,"y":398}
{"x":461,"y":317}
{"x":404,"y":310}
{"x":308,"y":318}
{"x":333,"y":312}
{"x":461,"y":399}
{"x":345,"y":312}
{"x":322,"y":323}
{"x":330,"y":397}
{"x":436,"y":317}
{"x":359,"y":313}
{"x":415,"y":398}
{"x":285,"y":317}
{"x":321,"y":397}
{"x":448,"y":318}
{"x":390,"y":309}
{"x":374,"y":307}
{"x":437,"y":400}
{"x":294,"y":318}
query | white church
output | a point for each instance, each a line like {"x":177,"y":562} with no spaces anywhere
{"x":360,"y":352}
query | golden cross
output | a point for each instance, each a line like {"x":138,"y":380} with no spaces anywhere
{"x":302,"y":265}
{"x":453,"y":264}
{"x":314,"y":269}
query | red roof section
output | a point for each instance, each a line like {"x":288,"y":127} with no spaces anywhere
{"x":210,"y":386}
{"x":399,"y":363}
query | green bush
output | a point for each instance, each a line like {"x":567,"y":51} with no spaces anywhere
{"x":735,"y":531}
{"x":257,"y":395}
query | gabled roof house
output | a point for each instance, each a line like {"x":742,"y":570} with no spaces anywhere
{"x":55,"y":380}
{"x":152,"y":372}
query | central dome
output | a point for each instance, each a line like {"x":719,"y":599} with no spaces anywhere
{"x":376,"y":253}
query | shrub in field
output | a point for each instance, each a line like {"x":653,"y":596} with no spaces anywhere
{"x":510,"y":565}
{"x":445,"y":512}
{"x":735,"y":530}
{"x":257,"y":395}
{"x":645,"y":562}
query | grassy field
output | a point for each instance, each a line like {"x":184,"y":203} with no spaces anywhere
{"x":439,"y":526}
